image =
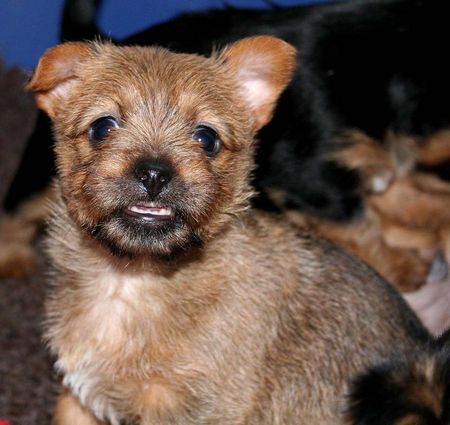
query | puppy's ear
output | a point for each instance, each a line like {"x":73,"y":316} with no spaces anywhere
{"x":55,"y":75}
{"x":264,"y":66}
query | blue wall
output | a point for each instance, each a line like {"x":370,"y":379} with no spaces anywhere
{"x":28,"y":27}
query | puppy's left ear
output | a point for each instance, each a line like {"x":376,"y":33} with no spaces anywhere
{"x":55,"y":74}
{"x":264,"y":66}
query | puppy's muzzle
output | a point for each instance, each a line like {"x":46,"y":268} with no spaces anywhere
{"x":154,"y":176}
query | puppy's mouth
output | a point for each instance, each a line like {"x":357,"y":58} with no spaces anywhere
{"x":150,"y":212}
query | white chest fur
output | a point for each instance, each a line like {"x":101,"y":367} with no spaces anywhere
{"x":108,"y":322}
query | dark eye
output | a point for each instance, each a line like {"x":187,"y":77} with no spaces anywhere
{"x":208,"y":139}
{"x":101,"y":128}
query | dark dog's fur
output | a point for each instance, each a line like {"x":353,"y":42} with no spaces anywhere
{"x":412,"y":390}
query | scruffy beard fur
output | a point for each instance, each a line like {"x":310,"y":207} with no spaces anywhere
{"x":134,"y":239}
{"x":99,"y":207}
{"x":257,"y":322}
{"x":126,"y":237}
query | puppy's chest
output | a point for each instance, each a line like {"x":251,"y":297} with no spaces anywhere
{"x":106,"y":346}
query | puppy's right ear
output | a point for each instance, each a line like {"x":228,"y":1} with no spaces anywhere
{"x":263,"y":67}
{"x":55,"y":74}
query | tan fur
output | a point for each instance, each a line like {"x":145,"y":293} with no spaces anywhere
{"x":410,"y":420}
{"x":17,"y":233}
{"x":423,"y":386}
{"x":434,"y":149}
{"x":378,"y":164}
{"x":69,"y":411}
{"x":253,"y":321}
{"x":416,"y":201}
{"x":429,"y":390}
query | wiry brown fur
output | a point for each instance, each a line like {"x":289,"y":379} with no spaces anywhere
{"x":94,"y":197}
{"x":256,"y":323}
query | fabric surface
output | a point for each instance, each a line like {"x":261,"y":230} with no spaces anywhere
{"x":28,"y":384}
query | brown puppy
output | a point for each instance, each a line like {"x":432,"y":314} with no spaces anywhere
{"x":173,"y":302}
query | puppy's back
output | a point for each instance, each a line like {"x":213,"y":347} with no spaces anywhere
{"x":333,"y":317}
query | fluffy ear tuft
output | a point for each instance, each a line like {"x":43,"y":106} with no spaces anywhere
{"x":54,"y":74}
{"x":264,"y":66}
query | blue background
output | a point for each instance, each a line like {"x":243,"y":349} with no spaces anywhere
{"x":28,"y":27}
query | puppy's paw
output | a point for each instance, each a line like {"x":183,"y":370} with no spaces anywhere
{"x":68,"y":411}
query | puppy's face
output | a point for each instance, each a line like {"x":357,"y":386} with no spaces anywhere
{"x":154,"y":149}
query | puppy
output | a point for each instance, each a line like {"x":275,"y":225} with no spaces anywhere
{"x":174,"y":302}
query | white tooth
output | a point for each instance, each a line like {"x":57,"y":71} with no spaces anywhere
{"x":139,"y":210}
{"x":151,"y":210}
{"x":161,"y":211}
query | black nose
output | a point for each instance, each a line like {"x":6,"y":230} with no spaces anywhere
{"x":153,"y":176}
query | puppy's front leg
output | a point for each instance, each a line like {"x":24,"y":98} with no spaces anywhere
{"x":69,"y":411}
